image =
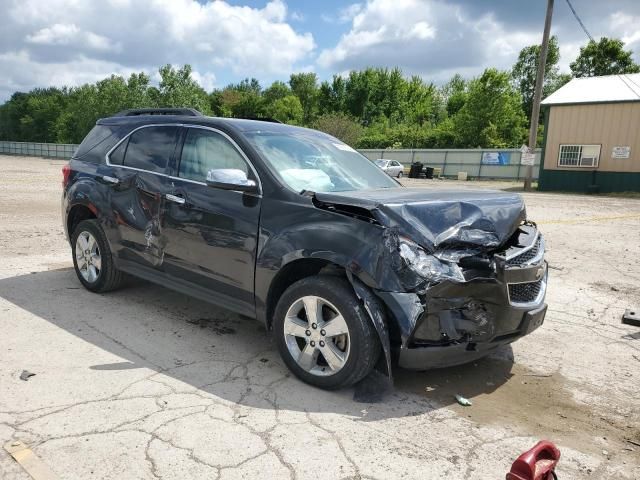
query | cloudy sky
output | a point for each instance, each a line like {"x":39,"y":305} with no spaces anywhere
{"x":70,"y":42}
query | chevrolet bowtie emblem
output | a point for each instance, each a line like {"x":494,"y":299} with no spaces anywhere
{"x":539,"y":273}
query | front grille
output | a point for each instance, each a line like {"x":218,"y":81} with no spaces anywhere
{"x":524,"y":292}
{"x":527,"y":255}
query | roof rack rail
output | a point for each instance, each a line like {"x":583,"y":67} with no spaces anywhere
{"x":262,"y":119}
{"x":133,"y":112}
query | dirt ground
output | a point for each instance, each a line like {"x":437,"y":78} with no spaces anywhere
{"x":147,"y":383}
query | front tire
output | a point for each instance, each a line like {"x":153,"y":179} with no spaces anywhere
{"x":399,"y":174}
{"x":92,"y":258}
{"x":324,"y":334}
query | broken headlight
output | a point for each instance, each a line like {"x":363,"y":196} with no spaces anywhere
{"x":428,"y":266}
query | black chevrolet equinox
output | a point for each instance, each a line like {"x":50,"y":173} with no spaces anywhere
{"x":349,"y":270}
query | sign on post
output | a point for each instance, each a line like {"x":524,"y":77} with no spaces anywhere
{"x":621,"y":152}
{"x":527,"y":158}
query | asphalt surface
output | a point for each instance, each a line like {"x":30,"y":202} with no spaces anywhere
{"x":145,"y":383}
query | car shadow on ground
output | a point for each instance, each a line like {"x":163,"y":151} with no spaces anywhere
{"x":199,"y":345}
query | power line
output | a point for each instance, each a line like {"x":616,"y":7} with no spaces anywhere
{"x":624,"y":78}
{"x":580,"y":21}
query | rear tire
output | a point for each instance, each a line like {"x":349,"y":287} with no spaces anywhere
{"x":345,"y":351}
{"x":92,"y":258}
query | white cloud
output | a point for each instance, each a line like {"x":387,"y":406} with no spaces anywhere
{"x":297,"y":16}
{"x":344,"y":15}
{"x":425,"y":37}
{"x":206,"y":80}
{"x":58,"y":34}
{"x":348,"y":13}
{"x":627,"y":28}
{"x":24,"y":73}
{"x":69,"y":34}
{"x":116,"y":36}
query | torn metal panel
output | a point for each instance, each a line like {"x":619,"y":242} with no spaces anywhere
{"x":377,"y":313}
{"x":443,"y":219}
{"x":406,"y":308}
{"x":444,"y":267}
{"x":155,"y":241}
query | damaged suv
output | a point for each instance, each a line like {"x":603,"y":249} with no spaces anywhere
{"x":295,"y":228}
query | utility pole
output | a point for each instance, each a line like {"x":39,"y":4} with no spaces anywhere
{"x":537,"y":93}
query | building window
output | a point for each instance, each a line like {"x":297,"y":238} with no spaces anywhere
{"x":579,"y":156}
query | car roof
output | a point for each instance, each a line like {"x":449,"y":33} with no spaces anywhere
{"x":239,"y":124}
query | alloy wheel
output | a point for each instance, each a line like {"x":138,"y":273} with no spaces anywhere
{"x":88,"y":257}
{"x":317,"y":336}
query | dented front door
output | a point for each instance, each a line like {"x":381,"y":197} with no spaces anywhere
{"x":212,"y":240}
{"x":211,"y":233}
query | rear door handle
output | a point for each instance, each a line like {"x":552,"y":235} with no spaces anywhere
{"x":175,"y":199}
{"x":111,"y":180}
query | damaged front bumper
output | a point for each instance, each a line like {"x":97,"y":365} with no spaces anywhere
{"x":420,"y":356}
{"x":452,"y":323}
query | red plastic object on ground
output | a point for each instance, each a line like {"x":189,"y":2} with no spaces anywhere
{"x":539,"y":463}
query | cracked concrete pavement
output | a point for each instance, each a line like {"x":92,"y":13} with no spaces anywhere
{"x":145,"y":383}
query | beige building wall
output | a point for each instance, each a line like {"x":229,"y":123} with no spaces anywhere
{"x":606,"y":124}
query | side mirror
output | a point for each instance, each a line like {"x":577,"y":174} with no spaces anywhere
{"x":230,"y":179}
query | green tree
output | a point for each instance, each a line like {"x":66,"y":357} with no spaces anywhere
{"x":287,"y":109}
{"x":605,"y":57}
{"x":340,"y":126}
{"x":179,"y":89}
{"x":525,"y":70}
{"x":492,"y":115}
{"x":454,"y":93}
{"x":88,"y":103}
{"x":276,"y":91}
{"x":304,"y":86}
{"x":420,"y":104}
{"x":251,"y":85}
{"x":10,"y":114}
{"x":331,"y":96}
{"x":242,"y":100}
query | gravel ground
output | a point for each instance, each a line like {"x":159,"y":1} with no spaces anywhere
{"x":147,"y":383}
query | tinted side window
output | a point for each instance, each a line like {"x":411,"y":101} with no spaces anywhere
{"x":117,"y":156}
{"x":151,"y":148}
{"x":204,"y":150}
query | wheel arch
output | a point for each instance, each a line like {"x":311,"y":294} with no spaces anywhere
{"x":309,"y":266}
{"x":292,"y":272}
{"x":77,"y":213}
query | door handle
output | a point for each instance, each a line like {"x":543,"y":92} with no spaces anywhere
{"x":111,"y":180}
{"x":175,"y":199}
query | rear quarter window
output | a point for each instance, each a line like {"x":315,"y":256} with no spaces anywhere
{"x":95,"y":137}
{"x":116,"y":157}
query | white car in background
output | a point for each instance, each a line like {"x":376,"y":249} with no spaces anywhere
{"x":393,"y":168}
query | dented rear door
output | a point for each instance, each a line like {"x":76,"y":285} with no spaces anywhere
{"x":139,"y":167}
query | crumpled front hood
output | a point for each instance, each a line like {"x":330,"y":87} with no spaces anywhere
{"x":440,"y":219}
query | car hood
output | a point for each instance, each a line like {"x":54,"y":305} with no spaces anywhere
{"x":439,"y":219}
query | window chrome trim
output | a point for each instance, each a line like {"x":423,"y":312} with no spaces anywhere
{"x":202,"y":127}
